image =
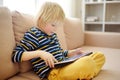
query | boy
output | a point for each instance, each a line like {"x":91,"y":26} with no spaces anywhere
{"x":41,"y":46}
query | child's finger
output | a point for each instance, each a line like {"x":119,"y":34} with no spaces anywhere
{"x":51,"y":63}
{"x":55,"y":60}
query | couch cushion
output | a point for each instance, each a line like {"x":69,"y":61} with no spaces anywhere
{"x":21,"y":23}
{"x":17,"y":77}
{"x":7,"y":43}
{"x":30,"y":74}
{"x":61,"y":36}
{"x":110,"y":70}
{"x":73,"y":33}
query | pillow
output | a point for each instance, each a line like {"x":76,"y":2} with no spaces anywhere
{"x":61,"y":37}
{"x":21,"y":23}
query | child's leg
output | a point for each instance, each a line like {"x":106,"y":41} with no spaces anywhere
{"x":84,"y":68}
{"x":99,"y":59}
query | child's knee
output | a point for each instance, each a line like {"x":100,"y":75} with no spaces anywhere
{"x":98,"y":57}
{"x":54,"y":74}
{"x":86,"y":68}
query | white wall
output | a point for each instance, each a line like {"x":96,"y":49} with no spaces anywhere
{"x":77,"y":8}
{"x":72,"y":8}
{"x":67,"y":5}
{"x":1,"y":2}
{"x":25,"y":6}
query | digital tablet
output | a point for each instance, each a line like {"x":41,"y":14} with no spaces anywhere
{"x":71,"y":59}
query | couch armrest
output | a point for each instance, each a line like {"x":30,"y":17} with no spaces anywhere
{"x":102,"y":39}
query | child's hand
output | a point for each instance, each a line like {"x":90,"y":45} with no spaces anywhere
{"x":48,"y":58}
{"x":79,"y":51}
{"x":75,"y":52}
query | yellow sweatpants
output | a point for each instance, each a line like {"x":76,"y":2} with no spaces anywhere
{"x":84,"y":68}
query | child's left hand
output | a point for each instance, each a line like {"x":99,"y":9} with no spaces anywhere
{"x":75,"y":52}
{"x":78,"y":51}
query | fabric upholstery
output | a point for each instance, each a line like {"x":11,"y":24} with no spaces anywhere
{"x":101,"y":39}
{"x":18,"y":78}
{"x":21,"y":23}
{"x":7,"y":43}
{"x":30,"y":75}
{"x":61,"y":37}
{"x":73,"y":33}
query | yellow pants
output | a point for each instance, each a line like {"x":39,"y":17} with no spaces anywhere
{"x":84,"y":68}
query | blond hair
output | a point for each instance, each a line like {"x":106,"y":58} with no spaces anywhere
{"x":49,"y":12}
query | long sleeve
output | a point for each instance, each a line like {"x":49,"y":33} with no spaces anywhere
{"x":65,"y":52}
{"x":28,"y":43}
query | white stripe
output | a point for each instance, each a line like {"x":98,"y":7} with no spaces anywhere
{"x":31,"y":39}
{"x":19,"y":55}
{"x":60,"y":55}
{"x":44,"y":71}
{"x":33,"y":36}
{"x":41,"y":63}
{"x":15,"y":56}
{"x":30,"y":45}
{"x":47,"y":41}
{"x":54,"y":49}
{"x":42,"y":40}
{"x":51,"y":47}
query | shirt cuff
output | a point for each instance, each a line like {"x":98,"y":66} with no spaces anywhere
{"x":65,"y":53}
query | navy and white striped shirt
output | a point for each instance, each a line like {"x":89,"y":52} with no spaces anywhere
{"x":35,"y":39}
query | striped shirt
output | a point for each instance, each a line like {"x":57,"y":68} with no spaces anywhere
{"x":35,"y":39}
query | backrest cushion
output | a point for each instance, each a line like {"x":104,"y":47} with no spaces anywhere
{"x":7,"y":43}
{"x":61,"y":36}
{"x":21,"y":23}
{"x":73,"y":33}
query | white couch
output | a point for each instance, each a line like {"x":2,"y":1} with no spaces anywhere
{"x":71,"y":35}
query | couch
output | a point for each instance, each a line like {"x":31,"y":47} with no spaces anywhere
{"x":13,"y":24}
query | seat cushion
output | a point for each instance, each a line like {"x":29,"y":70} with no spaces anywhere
{"x":30,"y":75}
{"x":18,"y":78}
{"x":110,"y":70}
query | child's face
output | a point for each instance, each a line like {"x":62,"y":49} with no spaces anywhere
{"x":50,"y":28}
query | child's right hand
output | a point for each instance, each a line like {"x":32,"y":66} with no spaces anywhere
{"x":48,"y":58}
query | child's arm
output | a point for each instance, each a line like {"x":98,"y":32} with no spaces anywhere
{"x":47,"y":57}
{"x":27,"y":49}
